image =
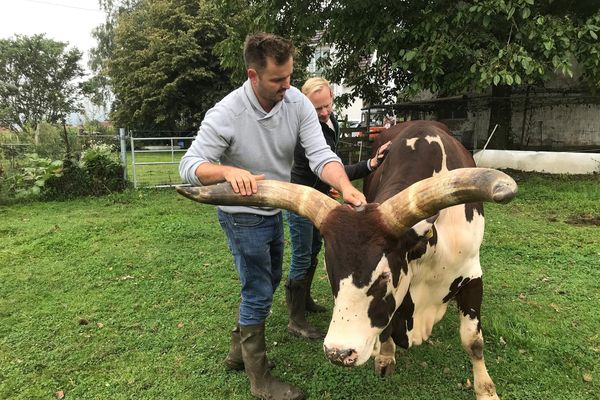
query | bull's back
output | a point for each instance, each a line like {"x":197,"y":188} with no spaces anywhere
{"x":419,"y":150}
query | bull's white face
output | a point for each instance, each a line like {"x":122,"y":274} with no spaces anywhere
{"x":361,"y":313}
{"x":369,"y":280}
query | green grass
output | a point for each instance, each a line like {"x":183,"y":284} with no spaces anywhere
{"x":131,"y":296}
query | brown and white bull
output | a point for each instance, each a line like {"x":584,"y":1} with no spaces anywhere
{"x":395,"y":263}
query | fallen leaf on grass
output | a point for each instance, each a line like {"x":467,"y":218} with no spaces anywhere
{"x":100,"y":325}
{"x":554,"y":307}
{"x":587,"y":377}
{"x":180,"y":325}
{"x":60,"y":394}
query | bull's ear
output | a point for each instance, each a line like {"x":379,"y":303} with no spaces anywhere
{"x":302,"y":200}
{"x":425,"y":198}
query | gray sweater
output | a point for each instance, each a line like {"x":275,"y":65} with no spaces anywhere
{"x":239,"y":133}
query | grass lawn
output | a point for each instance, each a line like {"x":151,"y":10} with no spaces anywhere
{"x":132,"y":296}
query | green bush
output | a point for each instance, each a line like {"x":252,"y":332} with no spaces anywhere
{"x":30,"y":180}
{"x":98,"y":172}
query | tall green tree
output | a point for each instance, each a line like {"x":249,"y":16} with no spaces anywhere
{"x":38,"y":80}
{"x":98,"y":87}
{"x":447,"y":47}
{"x":161,"y":66}
{"x":244,"y":17}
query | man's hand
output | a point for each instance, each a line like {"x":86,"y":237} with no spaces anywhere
{"x":379,"y":155}
{"x":334,"y":174}
{"x":242,"y":181}
{"x":354,"y":196}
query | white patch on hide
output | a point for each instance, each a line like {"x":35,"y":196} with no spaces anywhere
{"x":438,"y":140}
{"x":411,"y":142}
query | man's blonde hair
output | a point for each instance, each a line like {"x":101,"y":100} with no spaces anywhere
{"x":316,"y":84}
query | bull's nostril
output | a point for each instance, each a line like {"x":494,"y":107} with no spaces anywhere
{"x":343,"y":354}
{"x":350,"y":358}
{"x":345,"y":357}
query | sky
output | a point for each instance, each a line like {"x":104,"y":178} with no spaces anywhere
{"x":69,"y":21}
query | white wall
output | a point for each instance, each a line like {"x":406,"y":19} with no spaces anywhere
{"x":353,"y":111}
{"x":540,"y":161}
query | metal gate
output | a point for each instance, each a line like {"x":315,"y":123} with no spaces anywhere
{"x":155,"y":160}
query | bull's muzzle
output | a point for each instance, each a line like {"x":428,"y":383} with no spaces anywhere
{"x":345,"y":357}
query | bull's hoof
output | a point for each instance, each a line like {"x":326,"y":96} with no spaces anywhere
{"x":385,"y":368}
{"x":488,"y":397}
{"x":486,"y":391}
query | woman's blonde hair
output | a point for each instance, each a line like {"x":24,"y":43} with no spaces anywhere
{"x":315,"y":84}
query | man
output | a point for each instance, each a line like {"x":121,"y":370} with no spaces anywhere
{"x":306,"y":239}
{"x":248,"y":136}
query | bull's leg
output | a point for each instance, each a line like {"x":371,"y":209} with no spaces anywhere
{"x":385,"y":360}
{"x":469,"y":300}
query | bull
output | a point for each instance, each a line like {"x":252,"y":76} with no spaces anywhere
{"x":395,"y":263}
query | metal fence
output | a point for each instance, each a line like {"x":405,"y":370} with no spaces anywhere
{"x":354,"y":145}
{"x":155,"y":160}
{"x":10,"y":153}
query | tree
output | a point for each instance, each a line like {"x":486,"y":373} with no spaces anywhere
{"x":162,"y":70}
{"x":98,"y":87}
{"x":37,"y":80}
{"x":269,"y":16}
{"x":447,"y":47}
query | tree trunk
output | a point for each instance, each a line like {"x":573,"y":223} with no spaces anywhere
{"x":36,"y":135}
{"x":500,"y":113}
{"x":66,"y":139}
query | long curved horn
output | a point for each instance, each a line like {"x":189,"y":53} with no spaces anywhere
{"x":425,"y":198}
{"x":302,"y":200}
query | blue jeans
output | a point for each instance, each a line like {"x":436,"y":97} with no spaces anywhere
{"x":306,"y":244}
{"x":256,"y":243}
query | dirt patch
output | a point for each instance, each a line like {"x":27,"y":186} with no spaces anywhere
{"x":584,"y":219}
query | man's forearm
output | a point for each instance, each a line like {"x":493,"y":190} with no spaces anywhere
{"x":334,"y":174}
{"x":209,"y":173}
